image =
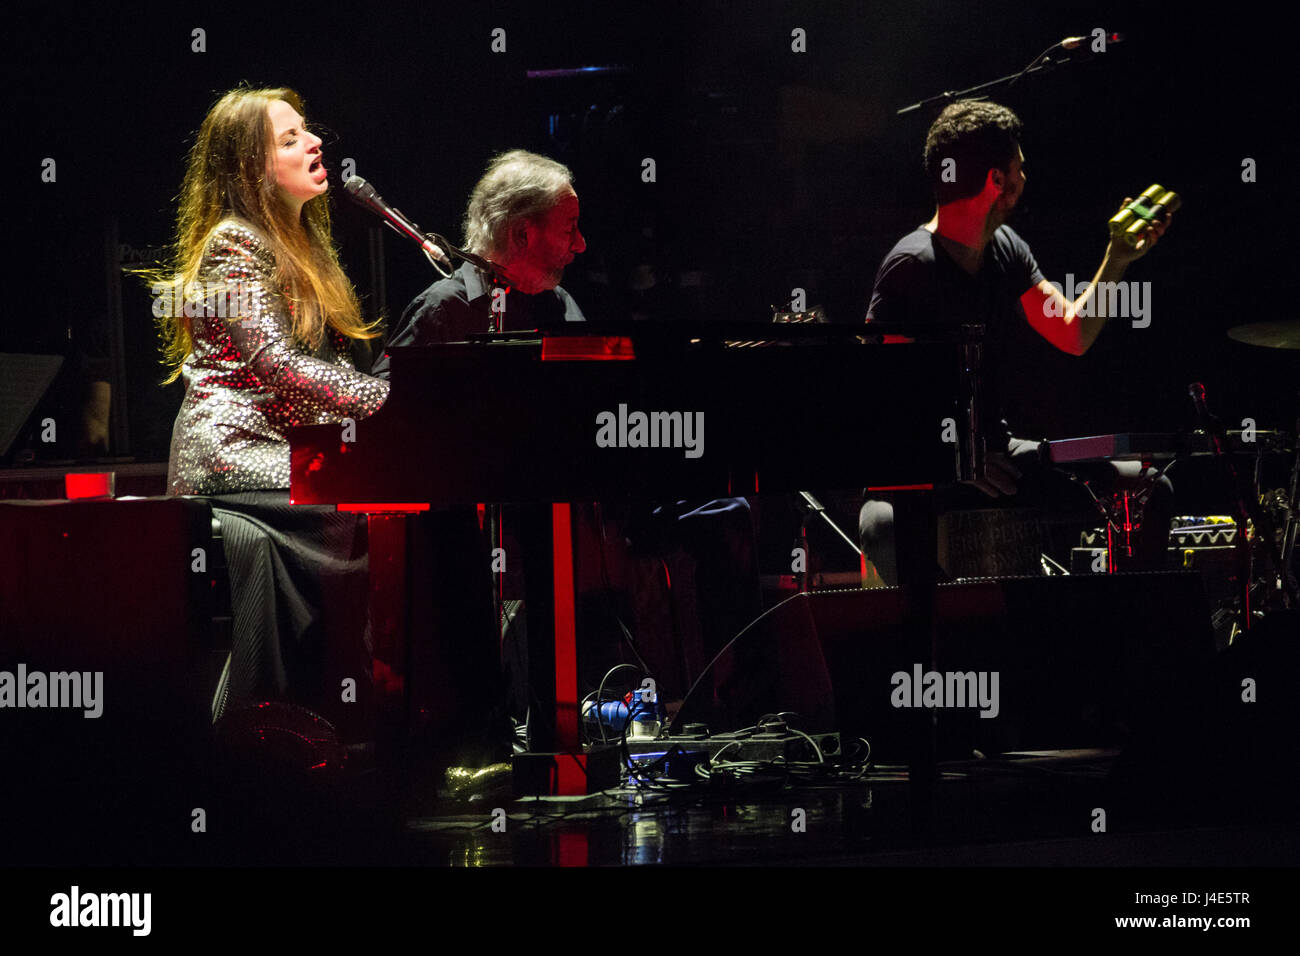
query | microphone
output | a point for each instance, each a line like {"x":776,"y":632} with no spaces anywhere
{"x":365,"y":194}
{"x":1212,"y":423}
{"x":1073,"y":43}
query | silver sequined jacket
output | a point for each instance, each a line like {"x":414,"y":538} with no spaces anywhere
{"x":247,"y":381}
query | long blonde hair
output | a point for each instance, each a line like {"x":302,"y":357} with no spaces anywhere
{"x":228,"y":176}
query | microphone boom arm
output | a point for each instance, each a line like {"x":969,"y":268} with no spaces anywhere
{"x":436,"y":248}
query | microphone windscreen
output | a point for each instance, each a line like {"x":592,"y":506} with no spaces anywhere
{"x":360,"y":189}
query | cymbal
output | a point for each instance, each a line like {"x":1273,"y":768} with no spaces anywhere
{"x":1271,"y":335}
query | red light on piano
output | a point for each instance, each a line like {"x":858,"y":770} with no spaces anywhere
{"x":386,"y":506}
{"x":89,"y":484}
{"x":587,"y":348}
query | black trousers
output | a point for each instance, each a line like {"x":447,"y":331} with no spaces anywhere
{"x":299,"y":585}
{"x":1043,"y":485}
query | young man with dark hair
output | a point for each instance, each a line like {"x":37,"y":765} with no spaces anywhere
{"x":967,"y":266}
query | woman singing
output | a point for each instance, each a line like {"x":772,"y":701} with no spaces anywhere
{"x":259,"y":327}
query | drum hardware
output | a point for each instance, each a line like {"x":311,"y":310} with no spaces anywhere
{"x":1270,"y":335}
{"x":1123,"y":513}
{"x":1252,"y":516}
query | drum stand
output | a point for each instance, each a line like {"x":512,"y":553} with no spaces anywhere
{"x":1249,"y":511}
{"x":1124,"y":511}
{"x":1293,"y":507}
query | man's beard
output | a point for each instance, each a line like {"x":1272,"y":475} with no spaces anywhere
{"x":1000,"y":216}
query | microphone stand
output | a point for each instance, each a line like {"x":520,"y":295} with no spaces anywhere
{"x":487,"y":266}
{"x":1042,"y":64}
{"x":812,"y":507}
{"x":442,"y":242}
{"x":365,"y":195}
{"x":492,"y":511}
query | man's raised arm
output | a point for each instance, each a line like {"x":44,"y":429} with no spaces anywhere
{"x":1073,"y":326}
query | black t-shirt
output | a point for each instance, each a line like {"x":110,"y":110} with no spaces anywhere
{"x":919,"y":286}
{"x":453,"y":308}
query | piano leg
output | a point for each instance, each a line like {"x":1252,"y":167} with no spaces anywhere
{"x":551,"y":602}
{"x":557,"y":762}
{"x":566,"y":630}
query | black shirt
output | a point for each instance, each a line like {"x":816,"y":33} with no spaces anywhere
{"x":920,"y":285}
{"x":453,"y":308}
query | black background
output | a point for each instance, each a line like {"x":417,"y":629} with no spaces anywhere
{"x":774,"y":169}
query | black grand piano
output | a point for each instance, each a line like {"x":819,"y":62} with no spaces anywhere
{"x":520,"y":418}
{"x":665,"y":411}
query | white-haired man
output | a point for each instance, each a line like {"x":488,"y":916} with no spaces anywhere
{"x":523,"y":218}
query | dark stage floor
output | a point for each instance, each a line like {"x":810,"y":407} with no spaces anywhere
{"x":1025,"y":810}
{"x":1033,"y":809}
